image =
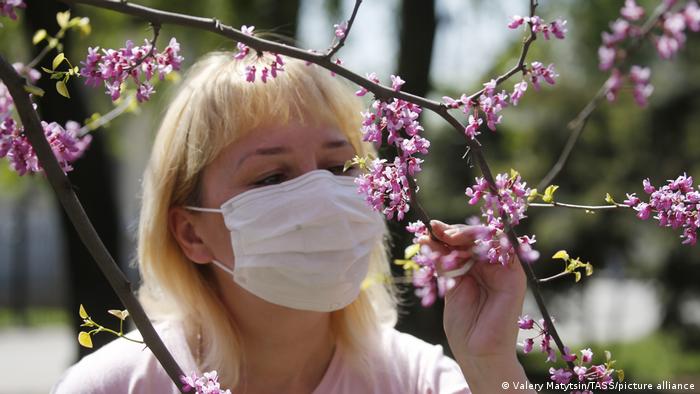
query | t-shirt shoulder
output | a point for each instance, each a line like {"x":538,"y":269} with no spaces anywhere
{"x":123,"y":366}
{"x":424,"y":365}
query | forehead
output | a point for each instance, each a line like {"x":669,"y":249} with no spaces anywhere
{"x":293,"y":136}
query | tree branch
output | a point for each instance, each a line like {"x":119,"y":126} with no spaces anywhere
{"x":341,"y":42}
{"x":578,"y":124}
{"x":68,"y":199}
{"x":382,"y":92}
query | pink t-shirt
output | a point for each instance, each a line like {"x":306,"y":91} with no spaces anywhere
{"x":413,"y":366}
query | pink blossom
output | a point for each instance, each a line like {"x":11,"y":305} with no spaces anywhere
{"x":631,"y":11}
{"x":386,"y":186}
{"x":7,"y":7}
{"x":525,"y":322}
{"x":418,"y":229}
{"x":517,"y":21}
{"x":115,"y":67}
{"x":396,"y":82}
{"x":640,"y":77}
{"x":472,"y":129}
{"x":372,"y":77}
{"x":560,"y":375}
{"x":518,"y":92}
{"x":586,"y":355}
{"x":208,"y":383}
{"x":510,"y":200}
{"x":250,"y":73}
{"x":538,"y":71}
{"x":692,"y":16}
{"x":66,"y":144}
{"x":675,"y":205}
{"x":606,"y":57}
{"x":340,"y":29}
{"x":613,"y":85}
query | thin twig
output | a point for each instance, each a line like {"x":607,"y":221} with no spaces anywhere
{"x":68,"y":199}
{"x":559,"y":275}
{"x":108,"y":117}
{"x":156,"y":32}
{"x":341,"y":42}
{"x":578,"y":124}
{"x":380,"y":91}
{"x":575,"y":206}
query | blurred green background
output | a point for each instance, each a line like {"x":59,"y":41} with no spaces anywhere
{"x":643,"y":301}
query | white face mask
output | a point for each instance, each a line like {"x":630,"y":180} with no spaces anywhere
{"x":304,"y":243}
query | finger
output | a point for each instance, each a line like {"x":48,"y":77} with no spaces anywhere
{"x":455,"y":235}
{"x":436,"y":246}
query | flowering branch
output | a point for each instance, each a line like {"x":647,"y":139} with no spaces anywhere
{"x":382,"y":93}
{"x":342,"y":31}
{"x":156,"y":31}
{"x":69,"y":200}
{"x":578,"y":124}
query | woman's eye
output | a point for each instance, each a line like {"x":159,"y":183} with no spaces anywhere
{"x":270,"y":180}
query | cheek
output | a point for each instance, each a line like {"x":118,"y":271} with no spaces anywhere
{"x":218,"y":238}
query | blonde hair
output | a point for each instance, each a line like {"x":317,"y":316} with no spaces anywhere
{"x":213,"y":108}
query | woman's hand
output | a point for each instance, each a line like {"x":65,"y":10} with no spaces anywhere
{"x":481,"y":312}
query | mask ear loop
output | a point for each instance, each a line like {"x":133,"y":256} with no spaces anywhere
{"x":200,"y":209}
{"x":222,"y":266}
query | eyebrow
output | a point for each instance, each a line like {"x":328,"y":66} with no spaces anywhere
{"x":279,"y":150}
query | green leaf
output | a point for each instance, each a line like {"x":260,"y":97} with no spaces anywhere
{"x":84,"y":339}
{"x":513,"y":173}
{"x":407,"y":265}
{"x":57,"y":60}
{"x":62,"y":18}
{"x":562,"y":254}
{"x":411,"y":251}
{"x":348,"y":164}
{"x":35,"y":90}
{"x":121,"y":315}
{"x":532,"y":196}
{"x":83,"y":314}
{"x":549,"y":193}
{"x":46,"y":70}
{"x":609,"y":199}
{"x":62,"y":89}
{"x":38,"y":36}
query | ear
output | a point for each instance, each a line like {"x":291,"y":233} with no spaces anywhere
{"x":184,"y":226}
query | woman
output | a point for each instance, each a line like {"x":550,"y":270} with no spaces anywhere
{"x":253,"y":246}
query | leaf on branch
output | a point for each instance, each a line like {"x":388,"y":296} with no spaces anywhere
{"x":35,"y":90}
{"x":562,"y":254}
{"x":609,"y":199}
{"x":84,"y":339}
{"x":57,"y":60}
{"x":62,"y":18}
{"x":548,"y":196}
{"x":62,"y":89}
{"x":411,"y":251}
{"x":532,"y":196}
{"x":39,"y":36}
{"x":121,"y":315}
{"x":407,"y":265}
{"x":82,"y":313}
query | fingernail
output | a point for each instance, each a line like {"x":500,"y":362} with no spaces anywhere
{"x":435,"y":222}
